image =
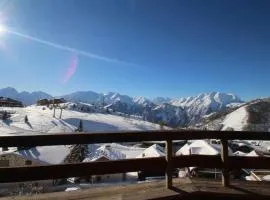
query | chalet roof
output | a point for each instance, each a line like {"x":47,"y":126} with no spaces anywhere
{"x":47,"y":154}
{"x":200,"y":147}
{"x":152,"y":151}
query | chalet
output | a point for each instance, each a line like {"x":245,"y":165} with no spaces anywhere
{"x":107,"y":178}
{"x":202,"y":147}
{"x":13,"y":159}
{"x":153,"y":151}
{"x":8,"y":102}
{"x":42,"y":155}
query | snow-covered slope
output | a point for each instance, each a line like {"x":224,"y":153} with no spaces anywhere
{"x":236,"y":120}
{"x":251,"y":116}
{"x":41,"y":120}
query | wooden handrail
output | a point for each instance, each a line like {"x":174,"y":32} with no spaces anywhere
{"x":129,"y":165}
{"x":130,"y":136}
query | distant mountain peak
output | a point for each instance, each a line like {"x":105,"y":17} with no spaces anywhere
{"x":26,"y":98}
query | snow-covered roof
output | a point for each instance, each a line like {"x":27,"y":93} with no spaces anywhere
{"x":266,"y":178}
{"x":153,"y":151}
{"x":46,"y":154}
{"x":201,"y":147}
{"x":100,"y":158}
{"x":106,"y":151}
{"x":250,"y":154}
{"x":239,"y":153}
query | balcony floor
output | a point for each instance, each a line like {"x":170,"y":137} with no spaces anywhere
{"x":183,"y":189}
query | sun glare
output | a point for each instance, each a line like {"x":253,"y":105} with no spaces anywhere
{"x":2,"y":29}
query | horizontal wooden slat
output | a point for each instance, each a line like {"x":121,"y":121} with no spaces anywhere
{"x":234,"y":162}
{"x":204,"y":161}
{"x":238,"y":162}
{"x":135,"y":136}
{"x":17,"y":174}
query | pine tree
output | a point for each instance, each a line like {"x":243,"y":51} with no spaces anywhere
{"x":80,"y":128}
{"x":5,"y":115}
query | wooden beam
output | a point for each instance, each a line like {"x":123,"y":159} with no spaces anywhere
{"x":225,"y":162}
{"x":202,"y":161}
{"x":169,"y":167}
{"x":16,"y":174}
{"x":132,"y":136}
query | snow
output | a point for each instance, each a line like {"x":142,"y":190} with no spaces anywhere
{"x":106,"y":151}
{"x":250,"y":178}
{"x":252,"y":154}
{"x":236,"y":120}
{"x":72,"y":189}
{"x":129,"y":151}
{"x":153,"y":151}
{"x":266,"y":178}
{"x":141,"y":101}
{"x":203,"y":104}
{"x":47,"y":154}
{"x":42,"y":121}
{"x":199,"y":147}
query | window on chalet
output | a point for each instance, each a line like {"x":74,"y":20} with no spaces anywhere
{"x":28,"y":162}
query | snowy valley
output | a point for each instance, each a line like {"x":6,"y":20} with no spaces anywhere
{"x":115,"y":112}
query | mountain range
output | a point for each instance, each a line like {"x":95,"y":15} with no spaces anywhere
{"x":173,"y":112}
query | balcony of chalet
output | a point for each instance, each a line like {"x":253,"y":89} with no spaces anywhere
{"x":169,"y":188}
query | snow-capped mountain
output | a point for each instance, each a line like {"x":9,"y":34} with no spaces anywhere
{"x":142,"y":101}
{"x":175,"y":112}
{"x":27,"y":98}
{"x":251,"y":116}
{"x":161,"y":100}
{"x":169,"y":114}
{"x":83,"y":96}
{"x":204,"y":104}
{"x":113,"y":97}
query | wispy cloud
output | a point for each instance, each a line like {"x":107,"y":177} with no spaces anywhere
{"x":67,"y":48}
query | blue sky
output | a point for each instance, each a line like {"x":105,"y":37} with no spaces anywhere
{"x":162,"y":48}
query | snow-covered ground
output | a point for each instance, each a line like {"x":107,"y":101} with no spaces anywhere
{"x":236,"y":120}
{"x":42,"y":121}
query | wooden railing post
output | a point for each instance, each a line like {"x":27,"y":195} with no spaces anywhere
{"x":224,"y":158}
{"x":169,"y":163}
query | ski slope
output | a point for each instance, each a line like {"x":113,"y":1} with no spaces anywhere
{"x":236,"y":120}
{"x":42,"y":121}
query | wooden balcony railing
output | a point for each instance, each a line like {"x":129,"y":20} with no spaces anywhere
{"x":224,"y":162}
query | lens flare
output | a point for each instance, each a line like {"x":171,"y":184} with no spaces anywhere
{"x":71,"y":69}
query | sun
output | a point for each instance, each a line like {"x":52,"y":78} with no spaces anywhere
{"x":2,"y":29}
